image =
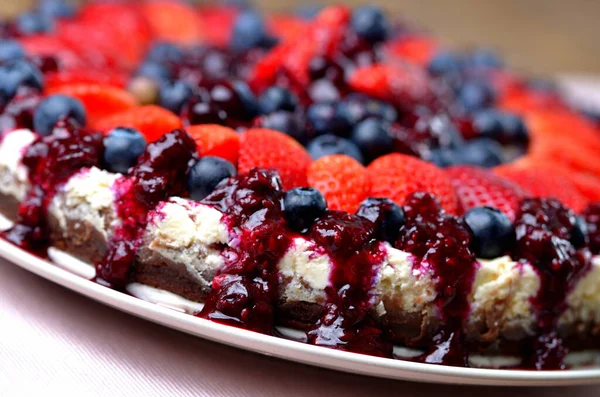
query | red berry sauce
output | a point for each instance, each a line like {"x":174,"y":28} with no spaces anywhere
{"x":51,"y":161}
{"x":543,"y":228}
{"x":592,"y":218}
{"x":442,"y":242}
{"x":161,"y":172}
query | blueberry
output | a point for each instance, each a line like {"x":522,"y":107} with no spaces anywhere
{"x":441,"y":128}
{"x":206,"y":174}
{"x":445,"y":64}
{"x":56,"y":8}
{"x":10,"y":50}
{"x":514,"y":129}
{"x":488,"y":123}
{"x":369,"y":23}
{"x":277,"y":98}
{"x":484,"y":58}
{"x":122,"y":147}
{"x":474,"y":95}
{"x":373,"y":138}
{"x":323,"y":91}
{"x":303,"y":205}
{"x":387,"y":216}
{"x":247,"y":98}
{"x":482,"y":152}
{"x":579,"y":233}
{"x":174,"y":96}
{"x":248,"y":31}
{"x":323,"y":118}
{"x":287,"y":122}
{"x":54,"y":109}
{"x":328,"y":144}
{"x":165,"y":52}
{"x":33,"y":23}
{"x":154,"y":71}
{"x":442,"y":157}
{"x":492,"y":232}
{"x":18,"y":74}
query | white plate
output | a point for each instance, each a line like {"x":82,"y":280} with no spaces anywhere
{"x":290,"y":350}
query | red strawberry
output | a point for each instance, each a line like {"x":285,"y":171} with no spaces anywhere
{"x":342,"y":180}
{"x":216,"y":140}
{"x":396,"y":176}
{"x":173,"y":21}
{"x":542,"y":184}
{"x":100,"y":100}
{"x":220,"y":18}
{"x":477,"y":187}
{"x":403,"y":85}
{"x":53,"y":46}
{"x":114,"y":78}
{"x":416,"y":49}
{"x":272,"y":149}
{"x":152,"y":121}
{"x":286,"y":27}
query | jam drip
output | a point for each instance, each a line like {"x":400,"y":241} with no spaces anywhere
{"x":51,"y":160}
{"x":161,"y":172}
{"x":441,"y":242}
{"x":349,"y":241}
{"x":543,"y":229}
{"x":592,"y":218}
{"x":245,"y":292}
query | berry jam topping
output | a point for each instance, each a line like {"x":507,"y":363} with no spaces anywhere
{"x":592,"y":218}
{"x":245,"y":291}
{"x":356,"y":255}
{"x":51,"y":160}
{"x":442,"y":242}
{"x":544,"y":229}
{"x":161,"y":172}
{"x":18,"y":113}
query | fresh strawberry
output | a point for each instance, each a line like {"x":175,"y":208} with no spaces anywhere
{"x":541,"y":184}
{"x":404,"y":85}
{"x":63,"y":77}
{"x":396,"y":176}
{"x":477,"y":187}
{"x":40,"y":45}
{"x":220,"y":18}
{"x":415,"y":49}
{"x":216,"y":140}
{"x":100,"y":100}
{"x":152,"y":121}
{"x":342,"y":180}
{"x":264,"y":72}
{"x":272,"y":149}
{"x":173,"y":21}
{"x":286,"y":27}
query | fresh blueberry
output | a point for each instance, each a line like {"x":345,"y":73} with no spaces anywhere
{"x":18,"y":74}
{"x":247,"y":97}
{"x":579,"y":233}
{"x":373,"y":138}
{"x":248,"y":31}
{"x":323,"y":91}
{"x":174,"y":96}
{"x":33,"y":23}
{"x":56,"y":8}
{"x":287,"y":122}
{"x":474,"y":96}
{"x":206,"y":174}
{"x":387,"y":216}
{"x":481,"y":152}
{"x":445,"y":64}
{"x":488,"y":123}
{"x":323,"y":118}
{"x":54,"y":109}
{"x":303,"y":205}
{"x":10,"y":50}
{"x":440,"y":128}
{"x":442,"y":157}
{"x":165,"y":52}
{"x":277,"y":98}
{"x":514,"y":129}
{"x":329,"y":144}
{"x":122,"y":147}
{"x":154,"y":71}
{"x":484,"y":58}
{"x":492,"y":233}
{"x":370,"y":23}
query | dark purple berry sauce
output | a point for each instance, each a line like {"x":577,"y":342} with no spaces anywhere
{"x":543,"y":229}
{"x":591,"y":215}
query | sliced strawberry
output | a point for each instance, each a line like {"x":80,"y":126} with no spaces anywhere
{"x":477,"y":187}
{"x":64,"y":77}
{"x":341,"y":179}
{"x":286,"y":27}
{"x":152,"y":121}
{"x":275,"y":150}
{"x":100,"y":100}
{"x":396,"y":176}
{"x":415,"y":49}
{"x":40,"y":45}
{"x":173,"y":21}
{"x":220,"y":18}
{"x":216,"y":140}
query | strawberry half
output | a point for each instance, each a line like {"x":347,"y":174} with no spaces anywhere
{"x":216,"y":140}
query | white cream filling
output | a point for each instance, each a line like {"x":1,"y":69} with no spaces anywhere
{"x":13,"y":174}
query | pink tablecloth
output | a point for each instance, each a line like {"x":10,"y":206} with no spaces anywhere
{"x":55,"y":342}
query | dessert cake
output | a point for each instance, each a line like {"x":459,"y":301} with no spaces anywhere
{"x":337,"y":173}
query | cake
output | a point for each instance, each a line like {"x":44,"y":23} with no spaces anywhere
{"x":338,"y":174}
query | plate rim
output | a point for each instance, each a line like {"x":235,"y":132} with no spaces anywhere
{"x":290,"y":350}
